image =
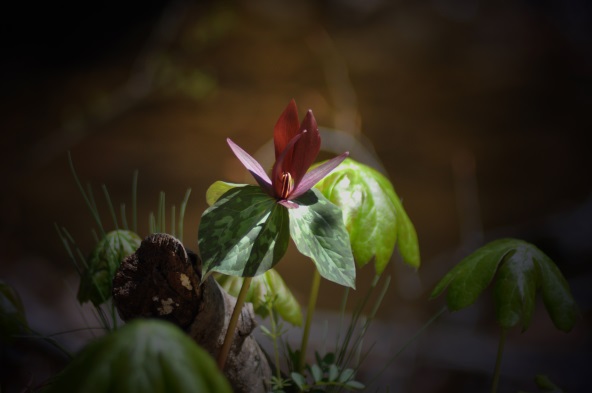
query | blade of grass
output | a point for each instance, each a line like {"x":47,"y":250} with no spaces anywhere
{"x":182,"y":213}
{"x":135,"y":202}
{"x":123,"y":218}
{"x":87,"y":198}
{"x":110,"y":205}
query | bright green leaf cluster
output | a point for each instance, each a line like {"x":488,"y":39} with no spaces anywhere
{"x":373,"y":214}
{"x":522,"y":269}
{"x":266,"y":287}
{"x":147,"y":356}
{"x":96,"y":281}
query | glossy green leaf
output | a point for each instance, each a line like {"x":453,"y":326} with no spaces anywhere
{"x":12,"y":312}
{"x":245,"y":233}
{"x":472,"y":275}
{"x":521,"y":269}
{"x":96,"y":281}
{"x":556,"y":293}
{"x":515,"y":289}
{"x":373,"y":214}
{"x":147,"y":356}
{"x":219,"y":188}
{"x":263,"y":287}
{"x":318,"y":231}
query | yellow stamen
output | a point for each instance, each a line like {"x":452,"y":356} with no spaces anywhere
{"x":287,"y":184}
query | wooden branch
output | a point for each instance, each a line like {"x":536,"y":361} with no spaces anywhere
{"x":162,"y":280}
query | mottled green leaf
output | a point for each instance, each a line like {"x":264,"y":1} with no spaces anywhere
{"x":373,"y":214}
{"x":264,"y":287}
{"x":318,"y":231}
{"x":245,"y":233}
{"x":147,"y":356}
{"x":219,"y":188}
{"x":96,"y":281}
{"x":521,"y":269}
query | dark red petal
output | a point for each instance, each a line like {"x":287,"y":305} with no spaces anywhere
{"x":286,"y":128}
{"x":316,"y":175}
{"x":252,"y":166}
{"x":305,"y":151}
{"x":279,"y":166}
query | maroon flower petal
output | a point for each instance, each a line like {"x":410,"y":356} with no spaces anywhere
{"x":289,"y":204}
{"x":305,"y":151}
{"x":279,"y":167}
{"x":314,"y":176}
{"x":252,"y":166}
{"x":286,"y":128}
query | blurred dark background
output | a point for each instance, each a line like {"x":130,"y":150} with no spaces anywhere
{"x":478,"y":111}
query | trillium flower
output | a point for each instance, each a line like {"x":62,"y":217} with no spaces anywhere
{"x":296,"y":148}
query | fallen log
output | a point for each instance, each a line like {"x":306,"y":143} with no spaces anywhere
{"x":162,"y":280}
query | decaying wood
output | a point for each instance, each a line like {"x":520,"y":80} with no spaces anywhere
{"x":162,"y":280}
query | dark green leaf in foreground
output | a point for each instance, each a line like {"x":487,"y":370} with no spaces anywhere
{"x":521,"y":269}
{"x":12,"y":312}
{"x":263,"y":287}
{"x":144,"y":356}
{"x":96,"y":281}
{"x":373,"y":214}
{"x":244,"y":233}
{"x":318,"y":231}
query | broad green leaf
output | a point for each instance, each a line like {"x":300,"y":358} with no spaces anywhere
{"x":373,"y":214}
{"x":318,"y":231}
{"x":472,"y":275}
{"x":515,"y":289}
{"x":333,"y":372}
{"x":299,"y":380}
{"x":317,"y":373}
{"x":556,"y":293}
{"x":546,"y":385}
{"x":144,"y":356}
{"x":12,"y":312}
{"x":521,"y":269}
{"x":96,"y":281}
{"x":245,"y":233}
{"x":219,"y":188}
{"x":268,"y":286}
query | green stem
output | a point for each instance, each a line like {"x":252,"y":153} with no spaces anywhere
{"x":312,"y":302}
{"x":240,"y":300}
{"x":276,"y":351}
{"x":498,"y":360}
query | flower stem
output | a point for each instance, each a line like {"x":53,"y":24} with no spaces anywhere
{"x":498,"y":360}
{"x":240,"y":300}
{"x":276,"y":351}
{"x":312,"y":301}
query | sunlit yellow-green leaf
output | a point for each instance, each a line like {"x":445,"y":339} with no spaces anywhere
{"x":373,"y":214}
{"x":267,"y":289}
{"x":219,"y":188}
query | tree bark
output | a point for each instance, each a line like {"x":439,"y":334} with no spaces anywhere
{"x":162,"y":280}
